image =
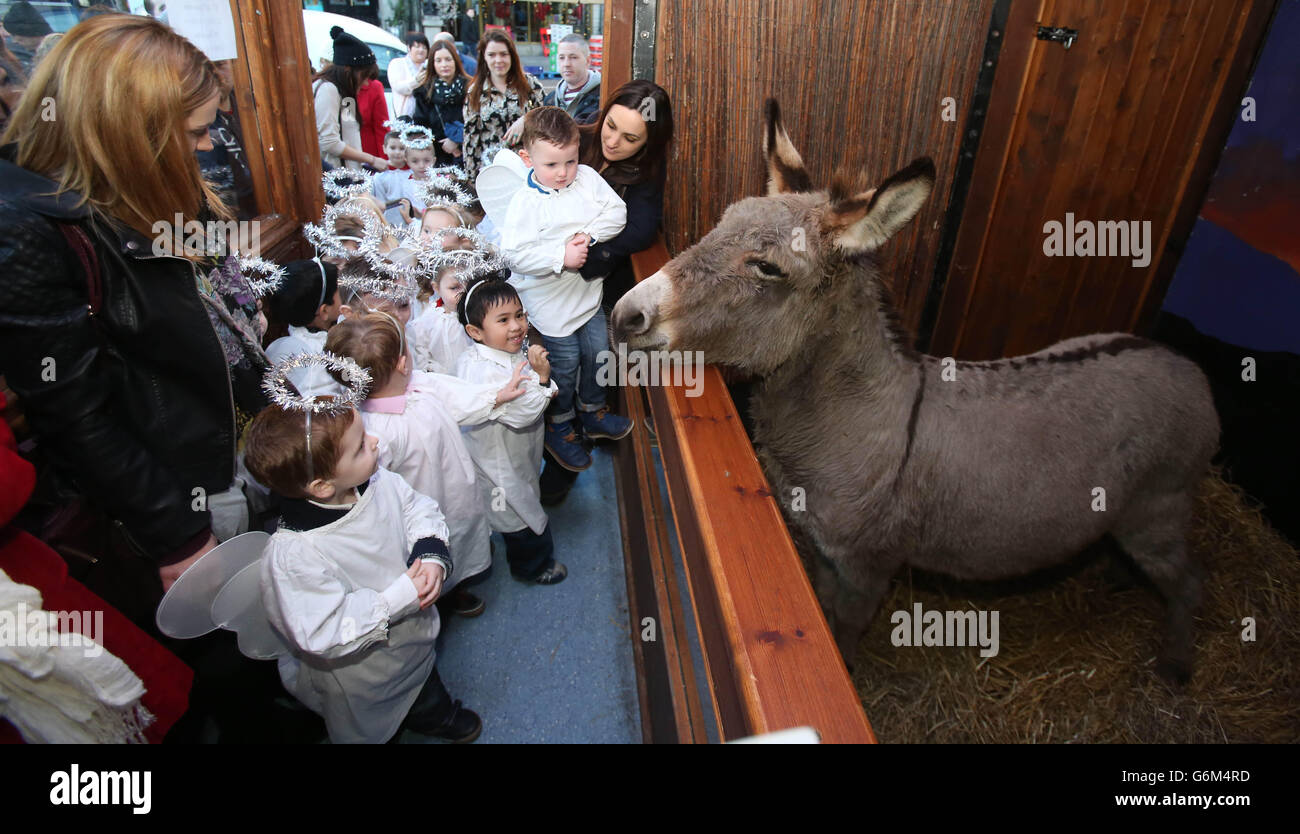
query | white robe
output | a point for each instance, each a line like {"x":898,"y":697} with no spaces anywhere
{"x":420,"y":439}
{"x":508,"y":449}
{"x":312,"y":381}
{"x":340,"y":596}
{"x":536,"y":229}
{"x":437,"y":340}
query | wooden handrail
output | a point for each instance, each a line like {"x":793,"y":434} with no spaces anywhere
{"x":770,"y":658}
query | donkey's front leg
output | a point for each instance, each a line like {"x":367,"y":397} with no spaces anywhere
{"x":853,"y":608}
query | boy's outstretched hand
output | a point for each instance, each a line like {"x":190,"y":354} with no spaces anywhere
{"x":427,"y":577}
{"x":539,"y":360}
{"x":514,"y":389}
{"x":575,"y":252}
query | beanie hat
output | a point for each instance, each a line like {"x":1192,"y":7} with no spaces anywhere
{"x":25,"y":22}
{"x":348,"y":51}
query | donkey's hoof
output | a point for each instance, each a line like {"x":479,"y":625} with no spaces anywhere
{"x":1177,"y":671}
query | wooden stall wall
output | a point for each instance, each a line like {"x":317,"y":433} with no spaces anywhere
{"x":861,"y":83}
{"x":1122,"y":127}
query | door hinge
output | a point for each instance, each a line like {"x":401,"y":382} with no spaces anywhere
{"x":1059,"y":34}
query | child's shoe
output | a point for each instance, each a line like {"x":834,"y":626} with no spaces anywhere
{"x":462,"y":603}
{"x":553,"y":575}
{"x":563,"y":444}
{"x":461,"y":727}
{"x":601,"y":424}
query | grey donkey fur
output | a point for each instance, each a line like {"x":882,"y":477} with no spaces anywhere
{"x":987,"y":474}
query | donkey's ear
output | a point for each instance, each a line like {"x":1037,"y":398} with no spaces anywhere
{"x":865,"y":221}
{"x":785,"y":171}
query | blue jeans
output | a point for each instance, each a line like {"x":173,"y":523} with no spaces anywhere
{"x":574,"y":360}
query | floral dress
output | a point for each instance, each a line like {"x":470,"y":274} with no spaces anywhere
{"x":485,"y":128}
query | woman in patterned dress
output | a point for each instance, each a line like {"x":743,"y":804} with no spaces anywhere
{"x":498,"y":98}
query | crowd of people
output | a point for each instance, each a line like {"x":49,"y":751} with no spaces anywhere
{"x":385,"y":406}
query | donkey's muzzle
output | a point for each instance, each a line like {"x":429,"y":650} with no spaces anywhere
{"x":636,"y":315}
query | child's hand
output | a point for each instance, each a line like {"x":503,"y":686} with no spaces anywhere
{"x":575,"y":252}
{"x":514,"y":389}
{"x":405,"y":209}
{"x":539,"y":360}
{"x":427,"y":577}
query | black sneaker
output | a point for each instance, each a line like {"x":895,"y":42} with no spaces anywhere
{"x":462,"y":603}
{"x":461,"y":727}
{"x":553,"y":575}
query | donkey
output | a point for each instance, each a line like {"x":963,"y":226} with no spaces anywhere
{"x":977,"y":470}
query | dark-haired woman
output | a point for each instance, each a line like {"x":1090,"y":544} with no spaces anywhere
{"x":404,"y":73}
{"x":628,"y":145}
{"x":497,"y":100}
{"x":335,"y":91}
{"x":440,"y":102}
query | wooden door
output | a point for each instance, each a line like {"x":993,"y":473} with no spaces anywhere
{"x":1122,"y":126}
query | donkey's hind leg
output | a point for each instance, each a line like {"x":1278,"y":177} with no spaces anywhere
{"x":1155,"y":535}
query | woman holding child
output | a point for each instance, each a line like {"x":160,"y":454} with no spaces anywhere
{"x":497,"y":100}
{"x":628,"y":146}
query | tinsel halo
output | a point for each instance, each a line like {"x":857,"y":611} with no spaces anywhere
{"x":356,"y":383}
{"x":272,"y":274}
{"x":457,"y":173}
{"x":342,"y":182}
{"x":325,"y":236}
{"x":433,"y":256}
{"x":472,"y":263}
{"x":423,"y":137}
{"x":439,"y":188}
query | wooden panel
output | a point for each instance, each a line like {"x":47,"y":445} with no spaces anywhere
{"x":860,"y":83}
{"x":273,"y":94}
{"x":1109,"y":130}
{"x":666,"y":686}
{"x":771,"y":660}
{"x":616,"y":63}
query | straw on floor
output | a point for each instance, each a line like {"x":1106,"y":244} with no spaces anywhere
{"x":1077,"y":649}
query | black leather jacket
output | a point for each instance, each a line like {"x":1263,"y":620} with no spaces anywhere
{"x":134,"y":405}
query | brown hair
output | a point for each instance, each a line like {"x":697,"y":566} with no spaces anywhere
{"x":551,"y":124}
{"x":483,"y":77}
{"x":124,"y":86}
{"x":431,"y":75}
{"x":374,"y":341}
{"x":646,"y":164}
{"x":276,"y":450}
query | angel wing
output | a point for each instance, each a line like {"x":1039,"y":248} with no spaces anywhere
{"x":223,"y":590}
{"x":498,"y":183}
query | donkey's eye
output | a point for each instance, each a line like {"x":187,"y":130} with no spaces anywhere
{"x":768,"y":268}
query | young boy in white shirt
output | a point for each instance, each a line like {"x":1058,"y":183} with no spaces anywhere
{"x":350,"y":578}
{"x":507,"y":449}
{"x":391,"y":188}
{"x":564,"y":208}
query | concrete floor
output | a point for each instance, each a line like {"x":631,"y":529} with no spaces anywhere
{"x":553,"y":664}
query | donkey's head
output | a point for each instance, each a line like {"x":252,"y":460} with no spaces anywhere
{"x":776,"y":268}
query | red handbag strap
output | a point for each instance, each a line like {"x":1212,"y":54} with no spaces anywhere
{"x":80,"y":243}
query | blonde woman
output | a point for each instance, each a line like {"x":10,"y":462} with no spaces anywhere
{"x":135,"y":352}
